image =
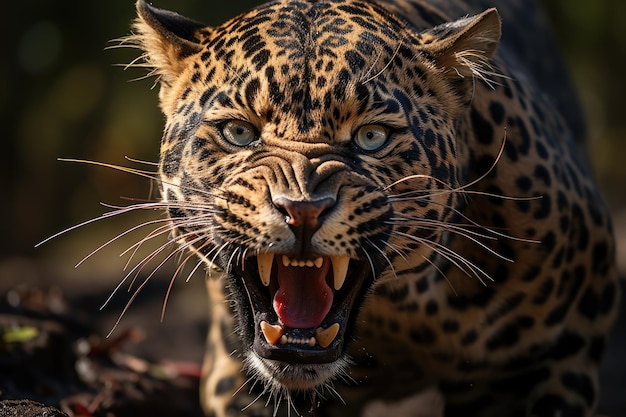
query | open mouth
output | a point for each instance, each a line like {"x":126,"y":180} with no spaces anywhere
{"x":302,"y":307}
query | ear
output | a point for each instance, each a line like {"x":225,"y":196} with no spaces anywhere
{"x":463,"y":47}
{"x":167,"y":38}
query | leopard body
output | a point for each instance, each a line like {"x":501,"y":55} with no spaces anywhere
{"x":417,"y":151}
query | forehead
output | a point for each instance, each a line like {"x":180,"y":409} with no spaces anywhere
{"x":301,"y":35}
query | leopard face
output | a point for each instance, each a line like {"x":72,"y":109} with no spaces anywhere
{"x":334,"y":163}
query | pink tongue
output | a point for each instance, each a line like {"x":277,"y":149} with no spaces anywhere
{"x":303,"y":298}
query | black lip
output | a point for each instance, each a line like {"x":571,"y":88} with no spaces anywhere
{"x":343,"y":311}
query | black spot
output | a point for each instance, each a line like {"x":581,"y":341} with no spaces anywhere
{"x":251,"y":90}
{"x":205,"y":96}
{"x":223,"y":100}
{"x":544,"y":291}
{"x":548,"y":242}
{"x":551,"y":405}
{"x":608,"y":298}
{"x":579,"y":232}
{"x":341,"y":83}
{"x":469,"y":337}
{"x":355,"y":61}
{"x":422,"y":285}
{"x":224,"y":385}
{"x":429,"y":138}
{"x":482,"y":128}
{"x":450,"y":326}
{"x":600,"y":257}
{"x":509,"y":334}
{"x":545,"y":206}
{"x":261,"y":58}
{"x":524,"y":183}
{"x":511,"y":151}
{"x":523,"y":383}
{"x":531,"y":273}
{"x":398,"y":294}
{"x":496,"y":110}
{"x":524,"y":145}
{"x":568,"y":344}
{"x":175,"y":212}
{"x":423,"y":335}
{"x":542,"y":174}
{"x":580,"y":384}
{"x":432,"y":307}
{"x":541,"y":150}
{"x":589,"y":304}
{"x":597,"y":345}
{"x":573,"y":283}
{"x":510,"y":304}
{"x":171,"y":196}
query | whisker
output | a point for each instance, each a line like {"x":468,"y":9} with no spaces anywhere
{"x":140,"y":161}
{"x":117,"y":237}
{"x":142,"y":173}
{"x":180,"y":250}
{"x":395,"y":53}
{"x":383,"y":255}
{"x":462,"y":187}
{"x":95,"y":219}
{"x":452,"y":256}
{"x":167,"y":228}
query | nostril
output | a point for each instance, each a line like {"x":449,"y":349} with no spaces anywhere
{"x":283,"y":211}
{"x":304,"y":214}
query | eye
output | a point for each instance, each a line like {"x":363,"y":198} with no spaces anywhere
{"x":371,"y":137}
{"x":238,"y":132}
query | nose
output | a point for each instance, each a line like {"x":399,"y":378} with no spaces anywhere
{"x":303,"y":217}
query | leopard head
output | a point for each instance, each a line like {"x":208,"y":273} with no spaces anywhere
{"x":312,"y":150}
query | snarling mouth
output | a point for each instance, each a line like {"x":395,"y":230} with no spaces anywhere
{"x":302,"y":308}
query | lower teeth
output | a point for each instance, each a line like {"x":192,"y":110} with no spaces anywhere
{"x":324,"y":337}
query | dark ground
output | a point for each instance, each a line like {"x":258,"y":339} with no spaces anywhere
{"x":55,"y":351}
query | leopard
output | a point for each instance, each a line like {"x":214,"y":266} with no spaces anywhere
{"x":392,"y":205}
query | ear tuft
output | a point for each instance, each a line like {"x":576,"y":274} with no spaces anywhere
{"x":166,"y":38}
{"x":463,"y":47}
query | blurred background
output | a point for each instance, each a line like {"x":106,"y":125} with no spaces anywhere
{"x":63,"y":95}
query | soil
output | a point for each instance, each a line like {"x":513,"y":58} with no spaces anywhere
{"x":51,"y":357}
{"x":56,"y":360}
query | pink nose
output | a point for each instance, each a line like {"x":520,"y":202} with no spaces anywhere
{"x":303,"y":218}
{"x":303,"y":215}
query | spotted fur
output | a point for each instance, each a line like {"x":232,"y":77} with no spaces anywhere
{"x":440,"y":159}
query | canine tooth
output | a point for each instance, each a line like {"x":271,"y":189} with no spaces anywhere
{"x":340,"y":269}
{"x":326,"y":336}
{"x":286,"y":260}
{"x":272,"y":332}
{"x":264,"y":261}
{"x":318,"y":262}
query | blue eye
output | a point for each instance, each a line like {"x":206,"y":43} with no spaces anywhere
{"x":239,"y":133}
{"x":371,"y":138}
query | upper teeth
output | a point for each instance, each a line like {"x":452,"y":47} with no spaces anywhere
{"x":340,"y":269}
{"x":302,"y":263}
{"x":265,"y":267}
{"x":340,"y":266}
